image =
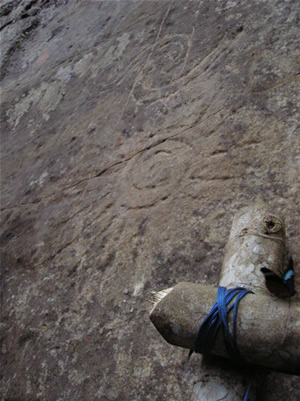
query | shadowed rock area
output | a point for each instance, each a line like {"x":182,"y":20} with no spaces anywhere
{"x":131,"y":133}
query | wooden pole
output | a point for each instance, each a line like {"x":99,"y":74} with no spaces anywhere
{"x":267,"y":330}
{"x":257,"y":240}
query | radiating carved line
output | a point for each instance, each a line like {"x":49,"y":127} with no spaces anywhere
{"x":277,"y":84}
{"x":146,"y":63}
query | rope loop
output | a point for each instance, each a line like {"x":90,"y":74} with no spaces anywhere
{"x":218,"y":318}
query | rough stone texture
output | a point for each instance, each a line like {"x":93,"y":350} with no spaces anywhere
{"x":131,"y":133}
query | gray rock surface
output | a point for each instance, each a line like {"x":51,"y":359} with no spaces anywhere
{"x":131,"y":133}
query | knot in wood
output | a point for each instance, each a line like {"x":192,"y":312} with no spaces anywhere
{"x":272,"y":224}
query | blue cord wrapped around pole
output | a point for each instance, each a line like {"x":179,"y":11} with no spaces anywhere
{"x":217,"y":318}
{"x":267,"y":332}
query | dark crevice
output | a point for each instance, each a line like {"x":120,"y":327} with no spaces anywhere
{"x":16,"y":45}
{"x":7,"y":8}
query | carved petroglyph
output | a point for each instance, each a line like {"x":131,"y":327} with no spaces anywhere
{"x":150,"y":177}
{"x":129,"y":129}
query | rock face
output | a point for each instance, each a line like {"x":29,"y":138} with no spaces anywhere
{"x":131,"y":133}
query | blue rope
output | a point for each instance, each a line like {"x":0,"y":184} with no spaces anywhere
{"x":247,"y":391}
{"x":216,"y":319}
